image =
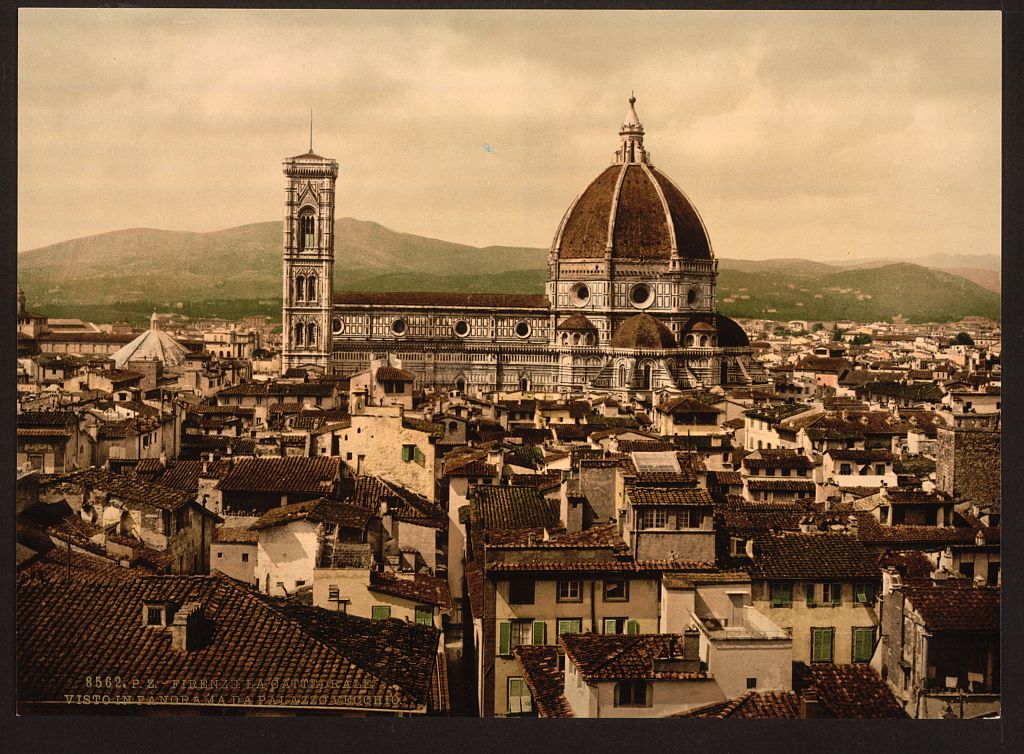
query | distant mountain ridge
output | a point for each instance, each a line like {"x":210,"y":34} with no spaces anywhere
{"x":143,"y":265}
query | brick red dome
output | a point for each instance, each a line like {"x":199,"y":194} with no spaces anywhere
{"x":636,"y":210}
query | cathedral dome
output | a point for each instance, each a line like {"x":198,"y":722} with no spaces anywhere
{"x":632,"y":210}
{"x":643,"y":331}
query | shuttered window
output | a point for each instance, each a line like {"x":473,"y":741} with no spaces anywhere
{"x":540,"y":632}
{"x":570,"y":626}
{"x":864,"y":593}
{"x":505,"y":638}
{"x":632,"y":627}
{"x":782,"y":594}
{"x":519,"y":700}
{"x":425,"y":615}
{"x":822,"y":644}
{"x":380,"y":612}
{"x":863,"y":644}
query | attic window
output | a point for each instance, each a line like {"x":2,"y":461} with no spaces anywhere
{"x":154,"y":616}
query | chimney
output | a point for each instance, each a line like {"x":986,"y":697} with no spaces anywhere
{"x":853,"y":525}
{"x":691,"y":644}
{"x":810,"y":707}
{"x":806,"y":525}
{"x":980,"y":580}
{"x":187,"y":627}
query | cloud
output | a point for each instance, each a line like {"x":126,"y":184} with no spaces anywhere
{"x":795,"y":133}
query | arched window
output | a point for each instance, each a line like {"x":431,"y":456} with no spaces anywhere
{"x":307,"y":230}
{"x":565,"y":339}
{"x":300,"y":288}
{"x":299,"y":332}
{"x":311,"y":288}
{"x":460,"y":384}
{"x":724,"y":380}
{"x":622,"y":375}
{"x":646,"y":373}
{"x":311,"y":335}
{"x":524,"y":384}
{"x":691,"y":340}
{"x":703,"y":341}
{"x":576,"y":339}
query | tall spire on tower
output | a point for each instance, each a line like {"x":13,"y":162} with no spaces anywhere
{"x":632,"y":135}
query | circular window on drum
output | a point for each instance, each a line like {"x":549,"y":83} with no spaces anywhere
{"x":641,"y":295}
{"x":461,"y":328}
{"x":692,"y":296}
{"x":522,"y":329}
{"x":336,"y":326}
{"x":399,"y":327}
{"x":579,"y":294}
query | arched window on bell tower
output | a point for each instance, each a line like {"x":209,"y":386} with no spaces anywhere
{"x":311,"y":288}
{"x":307,"y":230}
{"x":622,"y":375}
{"x":646,"y":373}
{"x":311,"y":335}
{"x":299,"y":332}
{"x":300,"y":288}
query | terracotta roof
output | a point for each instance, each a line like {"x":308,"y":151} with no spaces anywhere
{"x":782,"y":460}
{"x":669,"y":496}
{"x":546,"y":682}
{"x":600,"y":536}
{"x":916,"y":391}
{"x":756,"y":705}
{"x":605,"y":657}
{"x":392,"y":374}
{"x":475,"y":588}
{"x":687,"y":405}
{"x":599,"y":566}
{"x":129,"y":488}
{"x":848,"y":691}
{"x":46,"y":419}
{"x":731,"y":478}
{"x":469,"y":465}
{"x":511,"y":507}
{"x":640,"y":228}
{"x":791,"y":484}
{"x":642,"y":331}
{"x":293,"y":474}
{"x":185,"y":474}
{"x":443,"y":299}
{"x":319,"y":510}
{"x":860,"y":456}
{"x":792,"y":555}
{"x":424,"y":589}
{"x":870,"y":531}
{"x":376,"y":664}
{"x":235,"y":535}
{"x":955,"y":605}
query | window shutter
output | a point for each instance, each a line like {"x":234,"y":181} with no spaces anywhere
{"x":828,"y":645}
{"x":632,"y":627}
{"x":837,"y":594}
{"x":526,"y":700}
{"x":809,"y":593}
{"x":539,"y":632}
{"x":649,"y":694}
{"x":504,"y":638}
{"x":406,"y":453}
{"x":861,"y":594}
{"x":609,"y":625}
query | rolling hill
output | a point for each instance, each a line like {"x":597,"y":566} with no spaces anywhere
{"x":126,"y":273}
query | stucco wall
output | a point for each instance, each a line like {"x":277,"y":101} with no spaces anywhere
{"x":286,"y":553}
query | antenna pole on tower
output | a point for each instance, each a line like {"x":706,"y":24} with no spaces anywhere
{"x":310,"y":129}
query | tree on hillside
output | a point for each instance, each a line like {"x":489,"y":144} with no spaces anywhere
{"x":861,"y":339}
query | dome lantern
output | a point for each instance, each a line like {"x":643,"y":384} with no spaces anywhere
{"x":632,"y":135}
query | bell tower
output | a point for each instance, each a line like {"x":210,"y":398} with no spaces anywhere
{"x":308,"y":260}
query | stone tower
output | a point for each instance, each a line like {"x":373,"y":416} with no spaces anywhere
{"x":308,"y":261}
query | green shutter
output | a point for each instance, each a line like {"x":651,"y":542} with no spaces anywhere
{"x":837,"y":594}
{"x":609,"y":625}
{"x":809,"y":594}
{"x":425,"y":615}
{"x":380,"y":612}
{"x":504,"y":638}
{"x":406,"y":453}
{"x":632,"y":627}
{"x":540,"y":632}
{"x":863,"y":644}
{"x":570,"y":626}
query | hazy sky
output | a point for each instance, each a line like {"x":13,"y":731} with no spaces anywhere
{"x":815,"y":134}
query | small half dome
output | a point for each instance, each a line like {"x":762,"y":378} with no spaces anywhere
{"x":576,"y":322}
{"x":643,"y":331}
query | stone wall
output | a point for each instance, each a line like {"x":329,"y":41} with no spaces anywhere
{"x":968,"y":460}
